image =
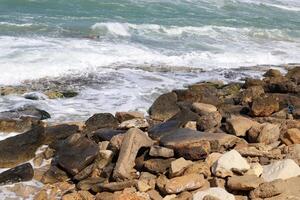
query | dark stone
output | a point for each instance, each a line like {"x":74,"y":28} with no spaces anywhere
{"x":249,"y":82}
{"x":59,"y":132}
{"x":101,"y":120}
{"x":20,"y":173}
{"x":164,"y":107}
{"x":20,"y":148}
{"x":209,"y":121}
{"x":26,"y":111}
{"x":76,"y":153}
{"x":280,"y":85}
{"x":104,"y":134}
{"x":88,"y":183}
{"x":54,"y":175}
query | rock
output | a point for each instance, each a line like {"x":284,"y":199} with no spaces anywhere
{"x":217,"y":182}
{"x":203,"y":109}
{"x":209,"y":121}
{"x":184,"y":183}
{"x":191,"y":125}
{"x":86,"y":172}
{"x":280,"y":85}
{"x":244,"y":183}
{"x":41,"y":195}
{"x":282,"y":169}
{"x":158,"y":151}
{"x":264,"y":106}
{"x":159,"y":130}
{"x":20,"y":173}
{"x":294,"y":74}
{"x":133,"y":140}
{"x":88,"y":183}
{"x":103,"y":159}
{"x":9,"y":90}
{"x":113,"y":186}
{"x":158,"y":165}
{"x":143,"y":186}
{"x":124,"y":116}
{"x":239,"y":125}
{"x":178,"y":166}
{"x":25,"y":111}
{"x":272,"y":73}
{"x":59,"y":132}
{"x":76,"y":153}
{"x":294,"y":153}
{"x":198,"y":167}
{"x":212,"y":158}
{"x":195,"y":145}
{"x":21,"y":148}
{"x":269,"y":133}
{"x":251,"y":93}
{"x":54,"y":175}
{"x":20,"y":191}
{"x":154,"y":195}
{"x":134,"y":123}
{"x":227,"y":162}
{"x":216,"y":192}
{"x":164,"y":107}
{"x":105,"y":134}
{"x":255,"y":169}
{"x":292,"y":136}
{"x":35,"y":96}
{"x":80,"y":195}
{"x":101,"y":120}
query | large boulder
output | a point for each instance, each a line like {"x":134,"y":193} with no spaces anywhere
{"x":282,"y":169}
{"x":75,"y":153}
{"x":264,"y":106}
{"x":20,"y":173}
{"x":101,"y":120}
{"x":21,"y":148}
{"x":164,"y":107}
{"x":251,"y":93}
{"x":59,"y":132}
{"x":228,"y":162}
{"x":133,"y":140}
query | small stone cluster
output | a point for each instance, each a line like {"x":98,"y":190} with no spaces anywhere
{"x":211,"y":141}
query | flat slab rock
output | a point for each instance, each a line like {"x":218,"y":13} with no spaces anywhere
{"x":77,"y":153}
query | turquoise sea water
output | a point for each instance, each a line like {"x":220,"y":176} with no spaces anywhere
{"x":126,"y":52}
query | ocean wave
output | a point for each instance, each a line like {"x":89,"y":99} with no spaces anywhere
{"x":15,"y":24}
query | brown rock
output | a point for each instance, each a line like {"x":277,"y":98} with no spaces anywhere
{"x":264,"y":106}
{"x":294,"y":74}
{"x":251,"y":93}
{"x":113,"y":186}
{"x":154,"y":195}
{"x":158,"y":151}
{"x":54,"y":175}
{"x":239,"y":125}
{"x":164,"y":107}
{"x":198,"y":167}
{"x":124,"y":116}
{"x":158,"y":165}
{"x":203,"y":109}
{"x":20,"y":173}
{"x":269,"y":133}
{"x":292,"y":136}
{"x":272,"y":73}
{"x":101,"y":120}
{"x":80,"y":195}
{"x":178,"y":166}
{"x":209,"y":121}
{"x":244,"y":183}
{"x":133,"y":140}
{"x":184,"y":183}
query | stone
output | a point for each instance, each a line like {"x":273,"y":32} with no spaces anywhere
{"x":9,"y":90}
{"x":216,"y":192}
{"x":86,"y":172}
{"x":124,"y":116}
{"x":282,"y":169}
{"x":244,"y":183}
{"x":133,"y":140}
{"x":191,"y":125}
{"x":20,"y":148}
{"x":35,"y":96}
{"x":20,"y":191}
{"x":212,"y":158}
{"x":203,"y":108}
{"x":103,"y":159}
{"x":54,"y":175}
{"x":25,"y":111}
{"x":59,"y":132}
{"x":184,"y":183}
{"x":89,"y":182}
{"x":294,"y":74}
{"x":101,"y":120}
{"x":264,"y":106}
{"x":269,"y":133}
{"x":80,"y":195}
{"x":154,"y":195}
{"x":272,"y":73}
{"x":251,"y":93}
{"x":178,"y":166}
{"x":294,"y":153}
{"x":134,"y":123}
{"x":164,"y":107}
{"x":41,"y":195}
{"x":17,"y":174}
{"x":209,"y":121}
{"x":143,"y":186}
{"x":158,"y":165}
{"x":105,"y":134}
{"x":113,"y":186}
{"x":227,"y":162}
{"x":199,"y":167}
{"x":239,"y":125}
{"x":76,"y":153}
{"x":196,"y":145}
{"x":217,"y":182}
{"x":291,"y":136}
{"x":158,"y":151}
{"x":255,"y":169}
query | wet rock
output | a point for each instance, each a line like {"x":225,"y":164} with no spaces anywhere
{"x":35,"y":96}
{"x":195,"y":145}
{"x":244,"y":183}
{"x":101,"y":120}
{"x":203,"y":109}
{"x":59,"y":132}
{"x":124,"y":116}
{"x":9,"y":90}
{"x":158,"y":151}
{"x":264,"y":106}
{"x":216,"y":192}
{"x":239,"y":125}
{"x":158,"y":165}
{"x":133,"y":140}
{"x":292,"y":136}
{"x":209,"y":121}
{"x":229,"y":161}
{"x":282,"y":169}
{"x":178,"y":166}
{"x":76,"y":153}
{"x":184,"y":183}
{"x":164,"y":107}
{"x":25,"y":111}
{"x":20,"y":173}
{"x":134,"y":123}
{"x":20,"y":148}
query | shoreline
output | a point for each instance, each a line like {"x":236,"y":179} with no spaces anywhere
{"x":182,"y":150}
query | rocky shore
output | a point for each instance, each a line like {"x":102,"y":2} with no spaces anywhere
{"x":211,"y":141}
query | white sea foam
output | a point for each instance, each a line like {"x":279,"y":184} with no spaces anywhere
{"x":15,"y":24}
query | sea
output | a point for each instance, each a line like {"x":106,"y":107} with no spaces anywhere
{"x":121,"y":54}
